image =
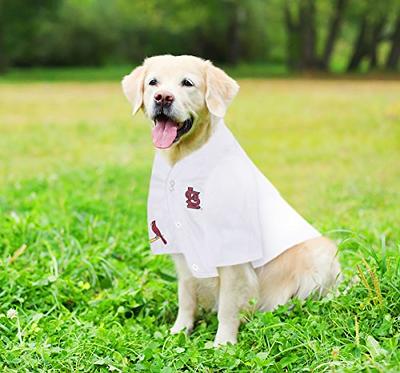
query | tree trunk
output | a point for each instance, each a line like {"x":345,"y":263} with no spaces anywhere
{"x":235,"y":16}
{"x":334,"y":30}
{"x":301,"y":36}
{"x":293,"y":41}
{"x":394,"y":54}
{"x":3,"y":59}
{"x":376,"y":37}
{"x":359,"y":49}
{"x":308,"y":34}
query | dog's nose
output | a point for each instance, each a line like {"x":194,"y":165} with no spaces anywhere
{"x":164,"y":98}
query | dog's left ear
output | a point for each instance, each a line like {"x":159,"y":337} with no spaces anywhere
{"x":220,"y":90}
{"x":132,"y":85}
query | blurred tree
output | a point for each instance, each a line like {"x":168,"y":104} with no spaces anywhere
{"x":235,"y":14}
{"x":335,"y":24}
{"x":392,"y":62}
{"x":306,"y":34}
{"x":300,"y":17}
{"x":19,"y":23}
{"x":375,"y":24}
{"x":3,"y":61}
{"x":77,"y":34}
{"x":360,"y":47}
{"x":294,"y":43}
{"x":231,"y":31}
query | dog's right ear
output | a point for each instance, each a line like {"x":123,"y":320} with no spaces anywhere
{"x":132,"y":86}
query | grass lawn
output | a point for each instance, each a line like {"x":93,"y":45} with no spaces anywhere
{"x":74,"y":256}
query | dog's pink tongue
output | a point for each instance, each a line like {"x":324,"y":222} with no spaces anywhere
{"x":164,"y":133}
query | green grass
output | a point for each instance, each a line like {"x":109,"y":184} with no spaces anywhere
{"x":74,"y":172}
{"x":114,"y":73}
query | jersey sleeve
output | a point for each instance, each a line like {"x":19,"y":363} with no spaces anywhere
{"x":232,"y":226}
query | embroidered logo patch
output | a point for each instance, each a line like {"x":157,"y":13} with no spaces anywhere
{"x":157,"y":232}
{"x":192,"y":199}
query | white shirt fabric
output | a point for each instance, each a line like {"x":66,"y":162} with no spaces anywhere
{"x":217,"y":209}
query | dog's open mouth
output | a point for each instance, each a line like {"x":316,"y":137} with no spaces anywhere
{"x":166,"y":131}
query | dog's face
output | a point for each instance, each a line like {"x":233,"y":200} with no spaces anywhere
{"x":178,"y":94}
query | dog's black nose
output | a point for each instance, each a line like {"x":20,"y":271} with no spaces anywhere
{"x":164,"y":98}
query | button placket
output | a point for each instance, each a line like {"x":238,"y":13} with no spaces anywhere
{"x":169,"y":188}
{"x":172,"y":203}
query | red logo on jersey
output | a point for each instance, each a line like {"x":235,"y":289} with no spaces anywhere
{"x":157,"y":232}
{"x":192,"y":199}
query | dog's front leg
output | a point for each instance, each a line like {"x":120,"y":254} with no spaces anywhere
{"x":187,"y":298}
{"x":238,"y":284}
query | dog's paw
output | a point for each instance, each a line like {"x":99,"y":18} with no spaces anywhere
{"x":227,"y":333}
{"x":181,"y":327}
{"x":177,"y":329}
{"x":222,"y":339}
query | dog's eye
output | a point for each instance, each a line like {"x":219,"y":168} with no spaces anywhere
{"x":187,"y":83}
{"x":153,"y":82}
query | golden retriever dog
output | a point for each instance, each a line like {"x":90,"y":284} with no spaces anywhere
{"x":248,"y":248}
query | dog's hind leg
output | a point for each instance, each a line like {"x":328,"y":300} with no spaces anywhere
{"x":308,"y":268}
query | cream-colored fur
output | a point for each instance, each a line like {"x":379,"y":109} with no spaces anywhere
{"x":305,"y":269}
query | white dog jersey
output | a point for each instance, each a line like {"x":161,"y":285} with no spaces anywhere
{"x":217,"y":209}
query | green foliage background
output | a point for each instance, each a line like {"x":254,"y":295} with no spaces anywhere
{"x":99,"y":32}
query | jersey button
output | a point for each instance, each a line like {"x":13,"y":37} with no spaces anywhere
{"x":172,"y":185}
{"x":195,"y":267}
{"x":178,"y":224}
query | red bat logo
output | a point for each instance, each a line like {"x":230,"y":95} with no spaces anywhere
{"x":157,"y":232}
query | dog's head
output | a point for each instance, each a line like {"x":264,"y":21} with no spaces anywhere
{"x":177,"y":93}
